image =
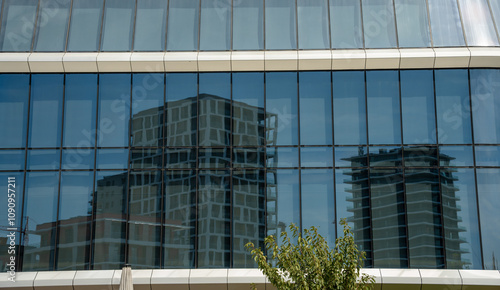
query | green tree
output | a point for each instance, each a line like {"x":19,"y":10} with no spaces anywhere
{"x":306,"y":262}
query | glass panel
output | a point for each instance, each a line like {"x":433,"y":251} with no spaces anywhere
{"x":182,"y":26}
{"x":145,"y":158}
{"x":214,"y":219}
{"x":144,"y":231}
{"x":495,"y":10}
{"x":249,"y":157}
{"x":412,"y":23}
{"x":318,"y":204}
{"x":313,"y":24}
{"x":18,"y":21}
{"x":52,"y":25}
{"x":422,"y":156}
{"x":85,"y":28}
{"x":214,"y":120}
{"x":487,"y":156}
{"x":280,"y":24}
{"x":112,"y":158}
{"x":75,"y":210}
{"x":384,"y":118}
{"x":283,"y":201}
{"x":181,"y":109}
{"x":14,"y":97}
{"x":316,"y":157}
{"x":378,"y":23}
{"x":43,"y":159}
{"x":248,"y":109}
{"x":150,"y":25}
{"x":345,"y":24}
{"x":78,"y":159}
{"x":214,"y":157}
{"x":353,"y":204}
{"x":177,"y":158}
{"x":110,"y":221}
{"x":147,"y":109}
{"x":41,"y":207}
{"x":478,"y":24}
{"x":12,"y":159}
{"x":485,"y":105}
{"x":114,"y":110}
{"x":118,"y":25}
{"x":461,"y":228}
{"x":280,"y":157}
{"x":417,"y":102}
{"x":46,"y":110}
{"x":281,"y":109}
{"x":315,"y":97}
{"x":80,"y":102}
{"x":456,"y":156}
{"x":385,"y":156}
{"x":249,"y":212}
{"x":388,"y":218}
{"x":180,"y":219}
{"x":349,"y":107}
{"x":215,"y":31}
{"x":248,"y":25}
{"x":351,"y":156}
{"x":445,"y":23}
{"x":489,"y":203}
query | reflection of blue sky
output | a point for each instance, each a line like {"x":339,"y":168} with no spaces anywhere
{"x":489,"y":205}
{"x":4,"y":222}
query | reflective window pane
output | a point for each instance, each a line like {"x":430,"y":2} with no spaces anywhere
{"x":445,"y":23}
{"x":478,"y":25}
{"x":150,"y":25}
{"x":43,"y":159}
{"x":452,"y":107}
{"x":280,"y":24}
{"x":349,"y":108}
{"x":280,"y":157}
{"x":315,"y":99}
{"x":456,"y":156}
{"x":112,"y":159}
{"x":214,"y":157}
{"x":52,"y":25}
{"x":281,"y":108}
{"x":486,"y":105}
{"x":351,"y":156}
{"x":383,"y":107}
{"x":13,"y":110}
{"x":46,"y":110}
{"x":495,"y":11}
{"x":345,"y":24}
{"x":85,"y":27}
{"x":118,"y":25}
{"x":248,"y":25}
{"x":316,"y":157}
{"x":420,"y":156}
{"x":412,"y":23}
{"x":12,"y":159}
{"x":385,"y":156}
{"x":487,"y":155}
{"x":181,"y":109}
{"x":78,"y":159}
{"x":80,"y":102}
{"x":249,"y":157}
{"x":215,"y":31}
{"x":18,"y":20}
{"x":182,"y":26}
{"x":16,"y":192}
{"x":378,"y":22}
{"x":177,"y":158}
{"x":145,"y":158}
{"x":313,"y":24}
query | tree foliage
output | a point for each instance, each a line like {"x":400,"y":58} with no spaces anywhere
{"x":305,"y":261}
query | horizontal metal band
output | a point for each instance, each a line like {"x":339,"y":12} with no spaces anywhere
{"x":302,"y":60}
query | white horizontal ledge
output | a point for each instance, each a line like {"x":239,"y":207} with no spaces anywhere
{"x":235,"y":61}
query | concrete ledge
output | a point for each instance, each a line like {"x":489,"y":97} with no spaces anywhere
{"x":14,"y":62}
{"x":438,"y":279}
{"x":417,"y":58}
{"x":80,"y":62}
{"x":61,"y":280}
{"x":114,"y":62}
{"x":452,"y":57}
{"x":349,"y":59}
{"x":175,"y":279}
{"x":393,"y":279}
{"x":243,"y":278}
{"x":41,"y":62}
{"x":382,"y":58}
{"x":315,"y":60}
{"x":480,"y":279}
{"x":181,"y":61}
{"x":147,"y":62}
{"x":484,"y":57}
{"x":214,"y":61}
{"x":208,"y":279}
{"x":286,"y":60}
{"x":88,"y":280}
{"x":247,"y":60}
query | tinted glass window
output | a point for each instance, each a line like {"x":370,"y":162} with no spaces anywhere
{"x":12,"y":159}
{"x":281,"y":157}
{"x":13,"y":110}
{"x":52,"y":25}
{"x":43,"y":159}
{"x":478,"y":25}
{"x":118,"y":25}
{"x":248,"y":25}
{"x":280,"y":24}
{"x":77,"y":158}
{"x":412,"y":23}
{"x":486,"y":106}
{"x":445,"y":23}
{"x":215,"y":31}
{"x":456,"y":156}
{"x":150,"y":25}
{"x":183,"y":17}
{"x":351,"y":156}
{"x":85,"y":28}
{"x":316,"y":157}
{"x":313,"y":24}
{"x":487,"y":155}
{"x":378,"y":22}
{"x":18,"y":20}
{"x":15,"y":179}
{"x":112,"y":159}
{"x":345,"y":24}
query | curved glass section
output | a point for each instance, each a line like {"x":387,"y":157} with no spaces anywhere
{"x":150,"y":25}
{"x":345,"y":24}
{"x":248,"y":25}
{"x":14,"y":104}
{"x":183,"y":25}
{"x":281,"y":30}
{"x":118,"y":25}
{"x":379,"y":26}
{"x":478,"y":24}
{"x":446,"y":26}
{"x":486,"y":106}
{"x":85,"y":26}
{"x":215,"y":25}
{"x":412,"y":23}
{"x":312,"y":24}
{"x":18,"y":22}
{"x":52,"y":25}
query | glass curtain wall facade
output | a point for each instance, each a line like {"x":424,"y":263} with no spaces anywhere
{"x":181,"y":170}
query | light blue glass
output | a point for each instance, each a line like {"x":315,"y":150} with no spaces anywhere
{"x":14,"y":105}
{"x":114,"y":110}
{"x":495,"y":11}
{"x":412,"y":23}
{"x":345,"y":24}
{"x":385,"y":156}
{"x":46,"y":110}
{"x":420,"y":156}
{"x":43,"y":159}
{"x":215,"y":26}
{"x":379,"y":25}
{"x":280,"y":25}
{"x":249,"y":157}
{"x":315,"y":97}
{"x":282,"y":157}
{"x":150,"y":25}
{"x":478,"y":24}
{"x":349,"y":108}
{"x":316,"y":157}
{"x":485,"y":105}
{"x":16,"y":182}
{"x":85,"y":27}
{"x":18,"y":21}
{"x":80,"y":106}
{"x":445,"y":23}
{"x":12,"y":159}
{"x":118,"y":25}
{"x":417,"y":102}
{"x":351,"y":156}
{"x":452,"y":107}
{"x":248,"y":25}
{"x":384,"y":118}
{"x":282,"y":109}
{"x":456,"y":156}
{"x":52,"y":25}
{"x":487,"y":156}
{"x":77,"y":158}
{"x":182,"y":29}
{"x":312,"y":25}
{"x":112,"y":159}
{"x":489,"y":203}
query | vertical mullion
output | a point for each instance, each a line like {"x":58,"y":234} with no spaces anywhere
{"x":69,"y":26}
{"x":492,"y":18}
{"x":166,"y":26}
{"x":430,"y":26}
{"x":163,"y":181}
{"x":395,"y":24}
{"x":462,"y":23}
{"x":102,"y":26}
{"x":362,"y":28}
{"x":197,"y":176}
{"x":35,"y":25}
{"x":368,"y":168}
{"x":199,"y":34}
{"x":94,"y":192}
{"x":299,"y":146}
{"x":134,"y":24}
{"x":129,"y":173}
